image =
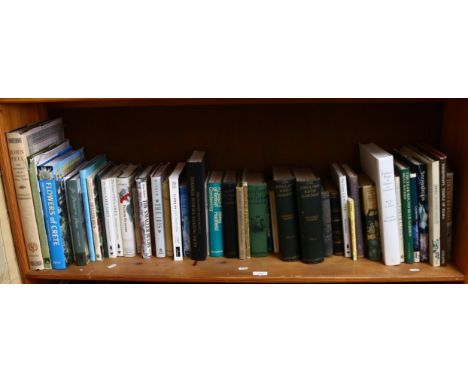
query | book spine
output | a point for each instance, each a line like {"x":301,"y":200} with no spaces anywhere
{"x":449,"y":215}
{"x":185,"y":218}
{"x":407,"y":216}
{"x":257,"y":200}
{"x":144,"y":216}
{"x":245,"y":190}
{"x":230,"y":233}
{"x":443,"y":211}
{"x":344,"y":216}
{"x":19,"y":152}
{"x":107,"y":198}
{"x":337,"y":226}
{"x":309,"y":206}
{"x":87,"y":217}
{"x":352,"y":228}
{"x":101,"y":218}
{"x":434,"y":213}
{"x":175,"y":218}
{"x":353,"y":193}
{"x":286,"y":211}
{"x":274,"y":221}
{"x":95,"y":225}
{"x":167,"y":218}
{"x":371,"y":217}
{"x":269,"y":233}
{"x":136,"y":217}
{"x":126,"y":214}
{"x":76,"y":221}
{"x":116,"y":217}
{"x":414,"y":216}
{"x":215,"y":219}
{"x":158,"y":216}
{"x":423,"y":213}
{"x":400,"y":218}
{"x":240,"y":222}
{"x":327,"y":224}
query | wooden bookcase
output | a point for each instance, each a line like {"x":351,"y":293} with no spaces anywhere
{"x":253,"y":134}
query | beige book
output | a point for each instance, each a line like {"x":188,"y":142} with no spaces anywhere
{"x":274,"y":221}
{"x":240,"y":221}
{"x":167,"y":218}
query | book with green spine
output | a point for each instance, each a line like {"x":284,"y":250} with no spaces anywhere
{"x":258,"y":214}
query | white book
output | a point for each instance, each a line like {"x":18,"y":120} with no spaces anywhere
{"x":400,"y":218}
{"x":116,"y":210}
{"x":377,"y":164}
{"x":339,"y":178}
{"x":144,"y":214}
{"x":175,"y":211}
{"x":157,"y":179}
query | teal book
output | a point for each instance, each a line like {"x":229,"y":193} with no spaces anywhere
{"x":215,"y":213}
{"x":257,"y":196}
{"x":54,"y":205}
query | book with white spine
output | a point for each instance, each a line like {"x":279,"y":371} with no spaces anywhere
{"x":157,"y":178}
{"x":339,"y":178}
{"x":378,"y":165}
{"x":144,"y":215}
{"x":400,"y":218}
{"x":174,"y":178}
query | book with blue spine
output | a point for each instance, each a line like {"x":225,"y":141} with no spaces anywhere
{"x":185,"y":217}
{"x":54,"y":205}
{"x":94,"y":164}
{"x":215,"y":214}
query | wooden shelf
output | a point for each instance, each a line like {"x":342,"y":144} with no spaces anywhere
{"x":222,"y":270}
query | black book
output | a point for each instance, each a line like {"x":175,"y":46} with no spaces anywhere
{"x":337,"y":226}
{"x":229,"y":208}
{"x":196,"y":176}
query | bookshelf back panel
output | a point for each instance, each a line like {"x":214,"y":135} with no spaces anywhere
{"x":250,"y":136}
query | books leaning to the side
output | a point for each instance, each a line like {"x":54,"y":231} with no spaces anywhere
{"x":177,"y":242}
{"x":339,"y":178}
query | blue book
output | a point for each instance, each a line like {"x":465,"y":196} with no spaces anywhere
{"x":185,"y":217}
{"x":94,"y":165}
{"x":215,"y":214}
{"x":54,"y":205}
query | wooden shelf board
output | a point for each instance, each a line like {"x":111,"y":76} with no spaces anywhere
{"x":221,"y":270}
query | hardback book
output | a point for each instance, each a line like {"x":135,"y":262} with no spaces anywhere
{"x":400,"y":218}
{"x":273,"y":218}
{"x":76,"y":219}
{"x":414,"y":214}
{"x":406,"y":210}
{"x":378,"y":165}
{"x":143,"y":183}
{"x":286,"y":213}
{"x":449,"y":214}
{"x":9,"y":271}
{"x":327,"y":223}
{"x":22,"y":143}
{"x":158,"y":177}
{"x":242,"y":245}
{"x":353,"y":192}
{"x":54,"y":205}
{"x":174,"y":179}
{"x":185,"y":216}
{"x":246,"y":210}
{"x":136,"y":213}
{"x":207,"y":227}
{"x":422,"y":207}
{"x":167,"y":217}
{"x":196,"y":177}
{"x":100,"y":209}
{"x":215,"y":213}
{"x":229,"y":208}
{"x":337,"y":226}
{"x":269,"y":233}
{"x":339,"y":178}
{"x":370,"y":210}
{"x":258,"y":218}
{"x":433,"y":192}
{"x":126,"y":211}
{"x":34,"y":160}
{"x":309,"y":207}
{"x":352,"y":228}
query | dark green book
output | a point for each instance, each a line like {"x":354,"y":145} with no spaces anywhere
{"x":258,"y":214}
{"x":309,"y":206}
{"x":100,"y":209}
{"x":406,"y":210}
{"x":286,"y":213}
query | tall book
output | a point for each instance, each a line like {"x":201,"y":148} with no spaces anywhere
{"x":378,"y":165}
{"x":229,"y":209}
{"x":400,"y":218}
{"x":309,"y":207}
{"x":246,"y":211}
{"x":242,"y":242}
{"x":339,"y":178}
{"x":145,"y":211}
{"x":337,"y":226}
{"x":449,"y":213}
{"x":352,"y":227}
{"x":273,"y":218}
{"x":196,"y":176}
{"x":185,"y":216}
{"x":174,"y":179}
{"x":166,"y":197}
{"x":258,"y":215}
{"x":54,"y":205}
{"x":215,"y":213}
{"x":100,"y":207}
{"x":353,"y":192}
{"x":327,"y":223}
{"x":35,"y":160}
{"x":22,"y":143}
{"x":370,"y":210}
{"x":415,"y":215}
{"x":286,"y":213}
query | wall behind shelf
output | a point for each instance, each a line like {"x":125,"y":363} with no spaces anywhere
{"x":251,"y":136}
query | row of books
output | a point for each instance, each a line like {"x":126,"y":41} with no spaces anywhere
{"x":81,"y":211}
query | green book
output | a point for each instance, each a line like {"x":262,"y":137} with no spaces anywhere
{"x":406,"y":210}
{"x":258,"y":211}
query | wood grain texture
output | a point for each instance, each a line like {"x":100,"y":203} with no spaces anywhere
{"x":336,"y":269}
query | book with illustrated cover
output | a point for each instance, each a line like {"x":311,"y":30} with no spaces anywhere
{"x":215,"y":213}
{"x":185,"y":216}
{"x":145,"y":213}
{"x":229,"y":208}
{"x":258,"y":215}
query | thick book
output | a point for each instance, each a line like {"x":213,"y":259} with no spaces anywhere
{"x":55,"y":207}
{"x":229,"y":209}
{"x":353,"y":192}
{"x":22,"y":143}
{"x":196,"y":177}
{"x":352,"y":228}
{"x":35,"y":160}
{"x":258,"y":220}
{"x":185,"y":216}
{"x":100,"y":207}
{"x":273,"y":218}
{"x":400,"y":218}
{"x":378,"y":165}
{"x":242,"y":245}
{"x":286,"y":213}
{"x":370,"y":211}
{"x":406,"y":210}
{"x":174,"y":179}
{"x":337,"y":226}
{"x":246,"y":224}
{"x":415,"y":215}
{"x":339,"y":178}
{"x":327,"y":223}
{"x":145,"y":211}
{"x":449,"y":214}
{"x":215,"y":213}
